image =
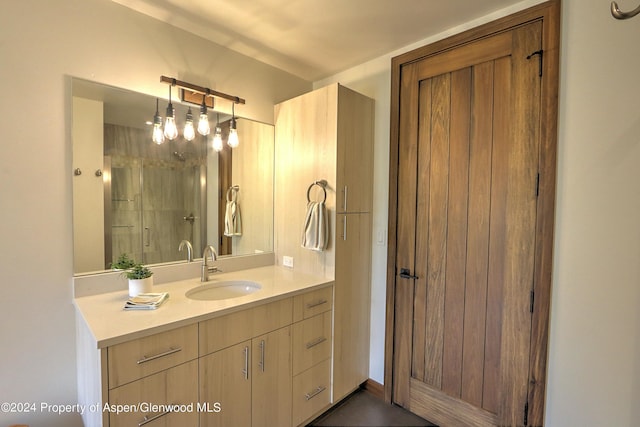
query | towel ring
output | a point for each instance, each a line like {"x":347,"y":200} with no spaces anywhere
{"x":321,"y":184}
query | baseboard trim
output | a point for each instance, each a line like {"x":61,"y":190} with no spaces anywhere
{"x":374,"y":387}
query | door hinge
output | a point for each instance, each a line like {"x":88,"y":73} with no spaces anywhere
{"x":525,"y":420}
{"x":531,"y":298}
{"x":538,"y":184}
{"x":538,"y":53}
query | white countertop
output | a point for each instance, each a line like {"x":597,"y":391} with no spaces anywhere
{"x":110,"y":324}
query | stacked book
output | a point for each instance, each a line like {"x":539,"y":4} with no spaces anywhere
{"x":148,"y":301}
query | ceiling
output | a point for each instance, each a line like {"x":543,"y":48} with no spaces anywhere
{"x":313,"y":39}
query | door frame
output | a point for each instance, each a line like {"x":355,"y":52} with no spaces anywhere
{"x":549,"y":13}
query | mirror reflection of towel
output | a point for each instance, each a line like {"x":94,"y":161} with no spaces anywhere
{"x":232,"y":218}
{"x":315,"y":233}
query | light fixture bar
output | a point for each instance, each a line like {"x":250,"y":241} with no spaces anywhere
{"x":201,"y":90}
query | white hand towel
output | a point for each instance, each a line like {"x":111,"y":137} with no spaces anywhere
{"x":232,"y":218}
{"x":315,"y":233}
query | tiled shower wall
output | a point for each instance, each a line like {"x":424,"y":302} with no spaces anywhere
{"x":153,"y":188}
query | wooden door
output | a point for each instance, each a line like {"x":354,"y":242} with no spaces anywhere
{"x":225,"y":378}
{"x":271,"y":379}
{"x":464,"y":268}
{"x":225,"y":180}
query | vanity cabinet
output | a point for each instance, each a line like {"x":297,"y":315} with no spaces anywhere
{"x":233,"y":370}
{"x":162,"y":399}
{"x":148,"y":376}
{"x":248,"y":371}
{"x":311,"y":350}
{"x":327,"y":134}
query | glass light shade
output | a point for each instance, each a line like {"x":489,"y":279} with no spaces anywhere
{"x":233,"y":138}
{"x":158,"y":135}
{"x":189,"y":133}
{"x":217,"y":140}
{"x":203,"y":124}
{"x":170,"y":128}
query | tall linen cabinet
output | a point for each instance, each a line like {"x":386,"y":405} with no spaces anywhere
{"x":327,"y":135}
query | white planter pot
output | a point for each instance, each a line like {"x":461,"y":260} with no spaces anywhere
{"x":140,"y":286}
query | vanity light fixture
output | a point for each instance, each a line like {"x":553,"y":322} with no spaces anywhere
{"x":217,"y":136}
{"x":189,"y":133}
{"x":170,"y":128}
{"x":203,"y":122}
{"x":233,"y":140}
{"x":191,"y":93}
{"x":158,"y":136}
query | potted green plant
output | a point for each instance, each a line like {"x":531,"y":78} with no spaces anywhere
{"x":140,"y":277}
{"x":123,"y":262}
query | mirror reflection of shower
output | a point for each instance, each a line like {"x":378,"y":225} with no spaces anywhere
{"x":163,"y":190}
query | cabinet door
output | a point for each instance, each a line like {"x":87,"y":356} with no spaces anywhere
{"x":271,"y":381}
{"x":354,"y":187}
{"x":352,"y":298}
{"x":225,"y":379}
{"x":165,"y":399}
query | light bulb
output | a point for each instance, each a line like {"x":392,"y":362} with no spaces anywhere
{"x":157,"y":136}
{"x":217,"y":140}
{"x":233,"y":138}
{"x":189,"y":132}
{"x":170,"y":129}
{"x":203,"y":122}
{"x":233,"y":129}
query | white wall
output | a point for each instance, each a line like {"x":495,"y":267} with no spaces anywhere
{"x":594,"y":360}
{"x":42,"y":42}
{"x":594,"y":357}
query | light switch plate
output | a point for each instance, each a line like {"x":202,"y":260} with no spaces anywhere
{"x":287,"y":261}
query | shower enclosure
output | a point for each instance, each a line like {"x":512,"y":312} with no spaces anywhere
{"x":155,"y":196}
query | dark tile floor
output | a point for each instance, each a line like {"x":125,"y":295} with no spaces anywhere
{"x":363,"y":409}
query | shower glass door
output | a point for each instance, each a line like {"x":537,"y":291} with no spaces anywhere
{"x":156,"y":197}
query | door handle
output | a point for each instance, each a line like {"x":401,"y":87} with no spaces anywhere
{"x":405,"y":273}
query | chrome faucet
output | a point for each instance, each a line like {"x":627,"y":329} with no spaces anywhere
{"x":206,"y":268}
{"x":189,"y":249}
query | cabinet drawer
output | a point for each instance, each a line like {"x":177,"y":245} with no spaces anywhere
{"x":311,"y":341}
{"x":312,"y":303}
{"x":152,"y":398}
{"x":311,"y":392}
{"x":145,"y":356}
{"x":225,"y":331}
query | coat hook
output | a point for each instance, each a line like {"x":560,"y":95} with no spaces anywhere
{"x":618,"y":14}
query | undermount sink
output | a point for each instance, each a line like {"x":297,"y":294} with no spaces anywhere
{"x":224,"y":289}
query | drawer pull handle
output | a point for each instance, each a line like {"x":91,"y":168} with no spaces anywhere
{"x":317,"y":303}
{"x":315,"y":392}
{"x":146,"y":418}
{"x":157,"y":356}
{"x":315,"y":342}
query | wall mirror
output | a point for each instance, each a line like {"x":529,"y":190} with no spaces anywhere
{"x":133,"y":196}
